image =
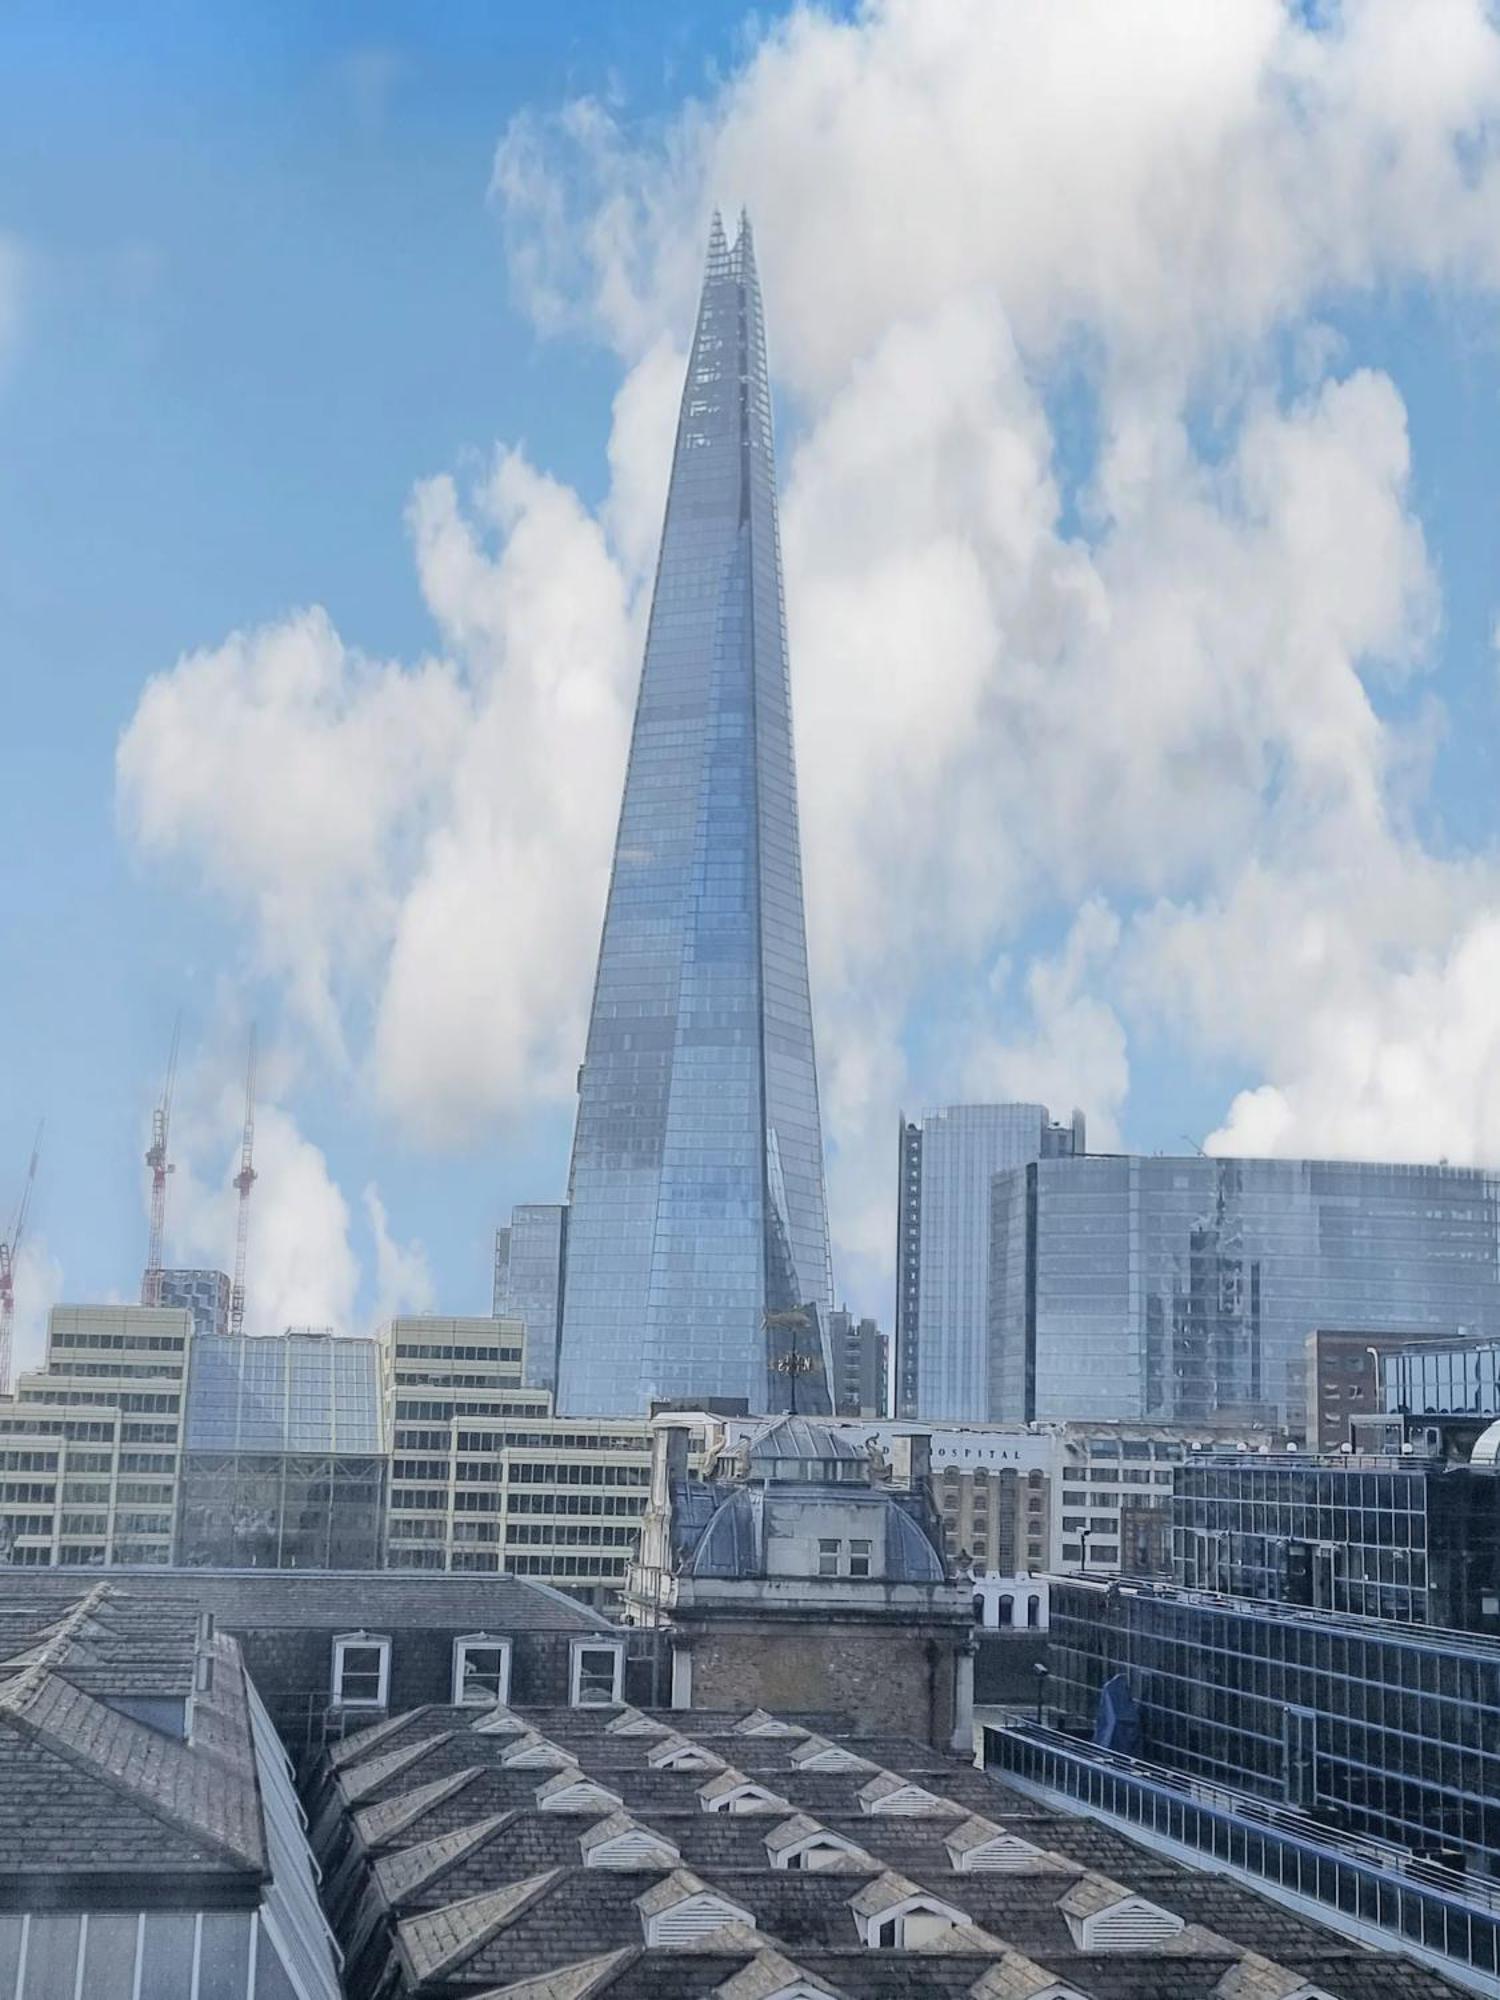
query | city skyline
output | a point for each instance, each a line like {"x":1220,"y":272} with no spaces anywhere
{"x":1139,"y":552}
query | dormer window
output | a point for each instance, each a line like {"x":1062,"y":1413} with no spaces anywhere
{"x":361,"y":1670}
{"x":893,"y":1914}
{"x":598,"y":1672}
{"x":683,"y":1910}
{"x":481,"y":1671}
{"x":678,"y":1754}
{"x":733,"y":1792}
{"x":1103,"y":1916}
{"x":568,"y":1793}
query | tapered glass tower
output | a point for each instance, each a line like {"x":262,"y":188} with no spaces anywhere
{"x":698,"y":1234}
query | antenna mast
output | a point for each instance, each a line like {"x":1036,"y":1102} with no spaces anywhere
{"x":161,"y":1166}
{"x":244,"y":1180}
{"x":9,"y":1250}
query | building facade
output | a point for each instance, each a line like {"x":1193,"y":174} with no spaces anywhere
{"x":90,"y":1444}
{"x":947,"y":1162}
{"x":1411,"y":1538}
{"x":860,"y":1359}
{"x":530,"y":1262}
{"x":205,"y":1294}
{"x":284,"y":1459}
{"x":698,"y":1222}
{"x":1444,"y":1379}
{"x":1381,"y":1728}
{"x":1183,"y":1290}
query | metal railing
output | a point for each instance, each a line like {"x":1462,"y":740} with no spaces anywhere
{"x":1441,"y":1910}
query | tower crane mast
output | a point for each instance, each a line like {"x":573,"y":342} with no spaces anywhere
{"x":244,"y":1180}
{"x":161,"y":1166}
{"x":10,"y":1249}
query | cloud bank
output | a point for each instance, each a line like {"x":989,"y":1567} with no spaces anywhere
{"x":1109,"y":603}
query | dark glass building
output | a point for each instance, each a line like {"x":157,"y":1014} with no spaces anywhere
{"x":1446,"y":1380}
{"x":530,"y":1254}
{"x":698,"y":1232}
{"x":1184,"y":1289}
{"x":1409,"y":1538}
{"x":1371,"y":1727}
{"x":284,"y":1463}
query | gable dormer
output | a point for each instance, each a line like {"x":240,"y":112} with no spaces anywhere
{"x":500,"y":1721}
{"x":622,"y":1842}
{"x":772,"y":1976}
{"x":683,"y":1910}
{"x":760,"y":1722}
{"x":631,"y":1722}
{"x":801,"y":1844}
{"x":534,"y":1753}
{"x":1016,"y":1977}
{"x":1258,"y":1978}
{"x":1105,"y":1916}
{"x":894,"y":1914}
{"x":571,"y":1792}
{"x":732,"y":1792}
{"x":680,"y":1753}
{"x":888,"y":1794}
{"x":979,"y":1847}
{"x":816,"y":1753}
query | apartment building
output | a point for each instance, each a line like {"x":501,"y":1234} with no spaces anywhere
{"x":91,"y":1443}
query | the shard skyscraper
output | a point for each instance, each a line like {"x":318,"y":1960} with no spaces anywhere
{"x":698,"y":1232}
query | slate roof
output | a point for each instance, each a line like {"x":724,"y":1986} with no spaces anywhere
{"x":103,"y":1640}
{"x":480,"y":1892}
{"x":244,"y":1600}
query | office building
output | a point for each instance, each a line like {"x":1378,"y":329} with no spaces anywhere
{"x":1385,"y":1729}
{"x":698,"y":1259}
{"x":1444,"y":1378}
{"x":284,"y":1459}
{"x":859,"y":1365}
{"x":1343,"y":1380}
{"x":530,"y":1254}
{"x":947,"y":1162}
{"x":151,"y":1843}
{"x":205,"y":1294}
{"x":593,"y":1853}
{"x":90,"y":1443}
{"x":1410,"y":1536}
{"x":1183,"y":1290}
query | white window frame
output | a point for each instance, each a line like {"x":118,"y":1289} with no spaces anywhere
{"x":579,"y":1647}
{"x":481,"y":1642}
{"x":346,"y":1642}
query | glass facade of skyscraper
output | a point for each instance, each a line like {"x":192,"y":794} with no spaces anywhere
{"x":948,"y":1160}
{"x":529,"y":1254}
{"x":1184,"y":1289}
{"x":697,"y":1209}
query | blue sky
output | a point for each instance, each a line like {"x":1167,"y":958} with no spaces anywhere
{"x":265,"y":289}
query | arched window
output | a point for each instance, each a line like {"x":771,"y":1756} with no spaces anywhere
{"x":1007,"y":1609}
{"x":1033,"y":1612}
{"x":978,"y":1608}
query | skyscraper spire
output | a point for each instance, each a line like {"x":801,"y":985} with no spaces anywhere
{"x":698,"y":1257}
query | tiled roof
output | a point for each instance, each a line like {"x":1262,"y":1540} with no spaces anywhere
{"x":136,"y":1774}
{"x":519,"y":1913}
{"x":383,"y":1821}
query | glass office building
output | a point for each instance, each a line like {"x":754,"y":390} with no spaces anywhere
{"x":948,"y":1160}
{"x":529,"y":1263}
{"x":1441,"y":1380}
{"x":697,"y":1229}
{"x":284,"y":1463}
{"x":1184,"y":1289}
{"x":1406,"y":1538}
{"x":1375,"y":1728}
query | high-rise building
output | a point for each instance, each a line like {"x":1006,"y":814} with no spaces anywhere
{"x":529,"y":1262}
{"x":204,"y":1293}
{"x":698,"y":1260}
{"x":1183,"y":1290}
{"x":860,"y":1352}
{"x":948,"y":1159}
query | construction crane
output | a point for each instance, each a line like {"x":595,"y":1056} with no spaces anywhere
{"x":10,"y":1249}
{"x":244,"y":1180}
{"x":161,"y":1166}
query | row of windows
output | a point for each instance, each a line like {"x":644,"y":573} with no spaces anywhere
{"x":361,"y":1671}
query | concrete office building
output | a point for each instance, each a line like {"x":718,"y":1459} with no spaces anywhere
{"x":90,"y":1444}
{"x":1183,"y":1290}
{"x":947,"y":1161}
{"x":860,"y":1358}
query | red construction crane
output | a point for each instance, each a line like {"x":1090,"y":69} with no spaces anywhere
{"x":10,"y":1249}
{"x":161,"y":1166}
{"x":244,"y":1180}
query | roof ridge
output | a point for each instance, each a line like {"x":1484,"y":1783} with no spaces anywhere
{"x":487,"y":1914}
{"x":56,"y":1642}
{"x":51,"y":1739}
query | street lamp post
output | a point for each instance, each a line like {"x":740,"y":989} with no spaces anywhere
{"x":1043,"y":1674}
